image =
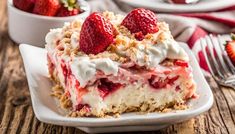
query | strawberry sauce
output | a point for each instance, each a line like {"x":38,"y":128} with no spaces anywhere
{"x":106,"y":87}
{"x":70,"y":80}
{"x":86,"y":107}
{"x":64,"y":70}
{"x":161,"y":83}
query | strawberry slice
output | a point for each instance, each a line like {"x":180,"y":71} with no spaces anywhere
{"x":181,"y":63}
{"x":46,"y":7}
{"x":97,"y":34}
{"x":141,"y":21}
{"x":25,"y":5}
{"x":230,"y":49}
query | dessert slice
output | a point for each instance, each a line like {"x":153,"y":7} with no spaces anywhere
{"x":112,"y":64}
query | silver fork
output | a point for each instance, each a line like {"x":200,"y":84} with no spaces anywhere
{"x":220,"y":66}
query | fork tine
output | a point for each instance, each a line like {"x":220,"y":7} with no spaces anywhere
{"x":218,"y":54}
{"x":203,"y":47}
{"x":211,"y":52}
{"x":229,"y":63}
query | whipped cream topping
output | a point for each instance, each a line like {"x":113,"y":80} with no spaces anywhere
{"x":75,"y":40}
{"x":151,"y":55}
{"x":52,"y":37}
{"x":84,"y":68}
{"x":151,"y":52}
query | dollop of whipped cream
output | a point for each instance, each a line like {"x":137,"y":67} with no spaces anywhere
{"x":84,"y":68}
{"x":75,"y":40}
{"x":151,"y":51}
{"x":150,"y":55}
{"x":52,"y":37}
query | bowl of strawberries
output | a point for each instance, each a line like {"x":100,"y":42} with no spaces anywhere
{"x":30,"y":20}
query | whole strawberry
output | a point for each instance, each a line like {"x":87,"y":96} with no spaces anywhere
{"x":96,"y":34}
{"x":25,"y":5}
{"x":141,"y":21}
{"x":178,"y":1}
{"x":63,"y":12}
{"x":46,"y":7}
{"x":230,"y":49}
{"x":69,"y":8}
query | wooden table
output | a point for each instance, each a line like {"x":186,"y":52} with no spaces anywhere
{"x":16,"y":113}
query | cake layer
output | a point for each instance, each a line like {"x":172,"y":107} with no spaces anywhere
{"x":143,"y":74}
{"x":131,"y":89}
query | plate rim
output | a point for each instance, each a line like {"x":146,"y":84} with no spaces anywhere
{"x":158,"y":6}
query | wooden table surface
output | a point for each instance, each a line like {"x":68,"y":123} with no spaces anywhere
{"x":17,"y":116}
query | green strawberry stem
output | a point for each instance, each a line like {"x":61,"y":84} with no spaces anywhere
{"x":233,"y":36}
{"x":70,"y":4}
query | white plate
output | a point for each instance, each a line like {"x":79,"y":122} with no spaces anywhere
{"x":46,"y":110}
{"x":161,"y":6}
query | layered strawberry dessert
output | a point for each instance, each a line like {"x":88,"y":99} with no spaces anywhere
{"x":111,"y":64}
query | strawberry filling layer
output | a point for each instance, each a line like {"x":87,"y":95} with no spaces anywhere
{"x":128,"y":75}
{"x":106,"y":87}
{"x":159,"y":83}
{"x":133,"y":74}
{"x":65,"y":71}
{"x":85,"y":107}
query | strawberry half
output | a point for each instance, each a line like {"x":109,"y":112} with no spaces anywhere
{"x":25,"y":5}
{"x":46,"y":7}
{"x":96,"y":34}
{"x":230,"y":49}
{"x":141,"y":21}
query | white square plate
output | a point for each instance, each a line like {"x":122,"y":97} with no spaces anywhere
{"x":46,"y":109}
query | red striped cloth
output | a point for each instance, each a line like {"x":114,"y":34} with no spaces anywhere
{"x":189,"y":27}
